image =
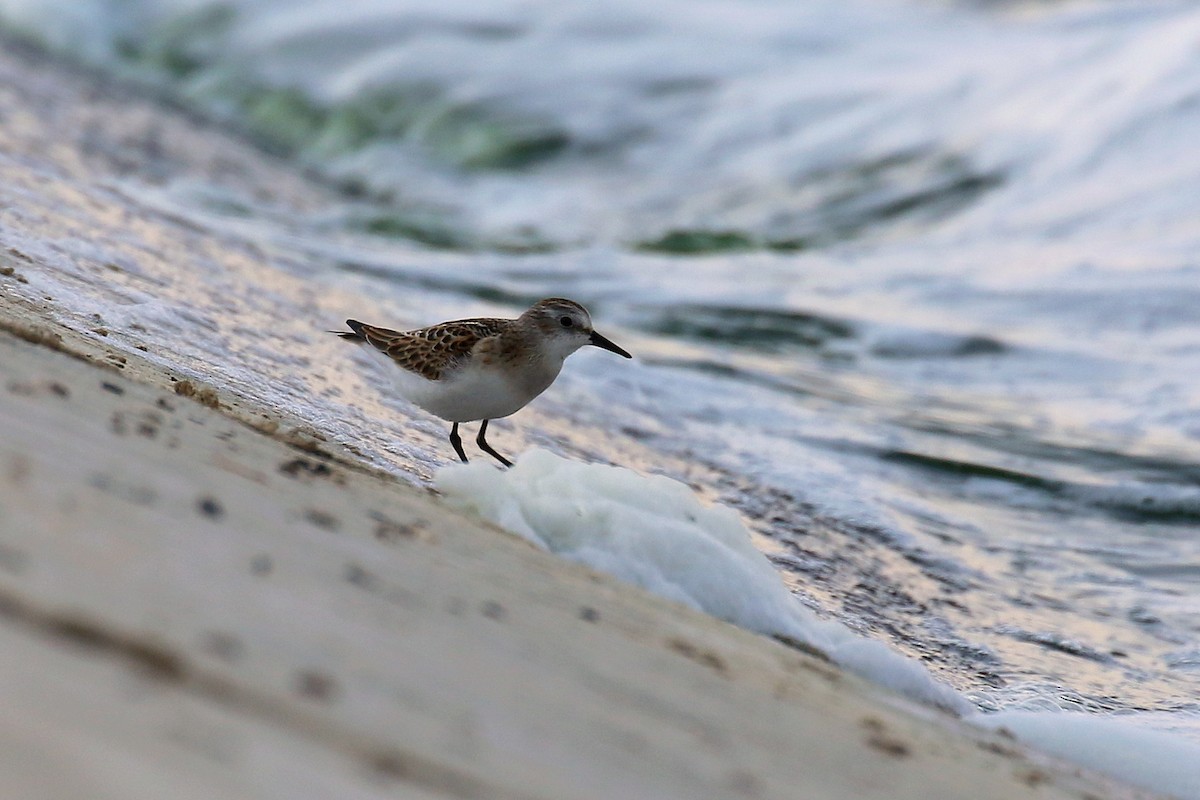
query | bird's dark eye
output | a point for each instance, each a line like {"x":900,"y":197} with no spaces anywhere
{"x":566,"y":322}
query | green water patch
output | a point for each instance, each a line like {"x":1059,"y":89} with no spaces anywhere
{"x":752,"y":328}
{"x":941,"y":199}
{"x":192,"y":49}
{"x":967,"y":469}
{"x":941,"y":346}
{"x":1130,"y":503}
{"x":440,"y":233}
{"x":916,"y":184}
{"x":183,"y":45}
{"x":1151,"y":508}
{"x":474,"y":136}
{"x":470,"y":137}
{"x":429,"y":232}
{"x":847,"y":201}
{"x":1020,"y":441}
{"x":690,"y":242}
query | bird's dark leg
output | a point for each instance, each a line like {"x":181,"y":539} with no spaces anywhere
{"x":487,"y":448}
{"x":456,"y":440}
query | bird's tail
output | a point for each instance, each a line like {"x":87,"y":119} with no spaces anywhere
{"x":355,"y":331}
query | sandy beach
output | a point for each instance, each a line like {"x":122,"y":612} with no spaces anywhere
{"x":205,"y":594}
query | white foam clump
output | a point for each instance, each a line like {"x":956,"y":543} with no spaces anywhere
{"x":655,"y":533}
{"x":1115,"y":746}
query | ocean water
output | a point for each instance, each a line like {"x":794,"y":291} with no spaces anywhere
{"x":914,"y":287}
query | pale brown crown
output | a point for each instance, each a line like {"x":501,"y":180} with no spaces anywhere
{"x":546,"y":316}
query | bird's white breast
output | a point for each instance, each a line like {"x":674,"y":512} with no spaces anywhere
{"x":475,"y":391}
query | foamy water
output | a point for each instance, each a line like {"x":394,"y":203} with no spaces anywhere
{"x":912,"y":287}
{"x":655,"y":533}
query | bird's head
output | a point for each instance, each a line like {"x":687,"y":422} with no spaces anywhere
{"x":565,"y":326}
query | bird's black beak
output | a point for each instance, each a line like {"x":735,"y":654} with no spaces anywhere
{"x":600,"y":341}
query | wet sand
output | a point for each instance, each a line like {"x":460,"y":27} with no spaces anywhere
{"x":206,"y":595}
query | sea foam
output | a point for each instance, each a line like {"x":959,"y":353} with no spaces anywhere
{"x":655,"y":533}
{"x":1114,"y":745}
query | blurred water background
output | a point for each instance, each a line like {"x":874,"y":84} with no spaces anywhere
{"x":919,"y":280}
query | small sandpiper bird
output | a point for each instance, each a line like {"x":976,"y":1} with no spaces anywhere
{"x":483,"y":369}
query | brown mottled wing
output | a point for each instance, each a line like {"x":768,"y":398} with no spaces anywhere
{"x":430,"y":352}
